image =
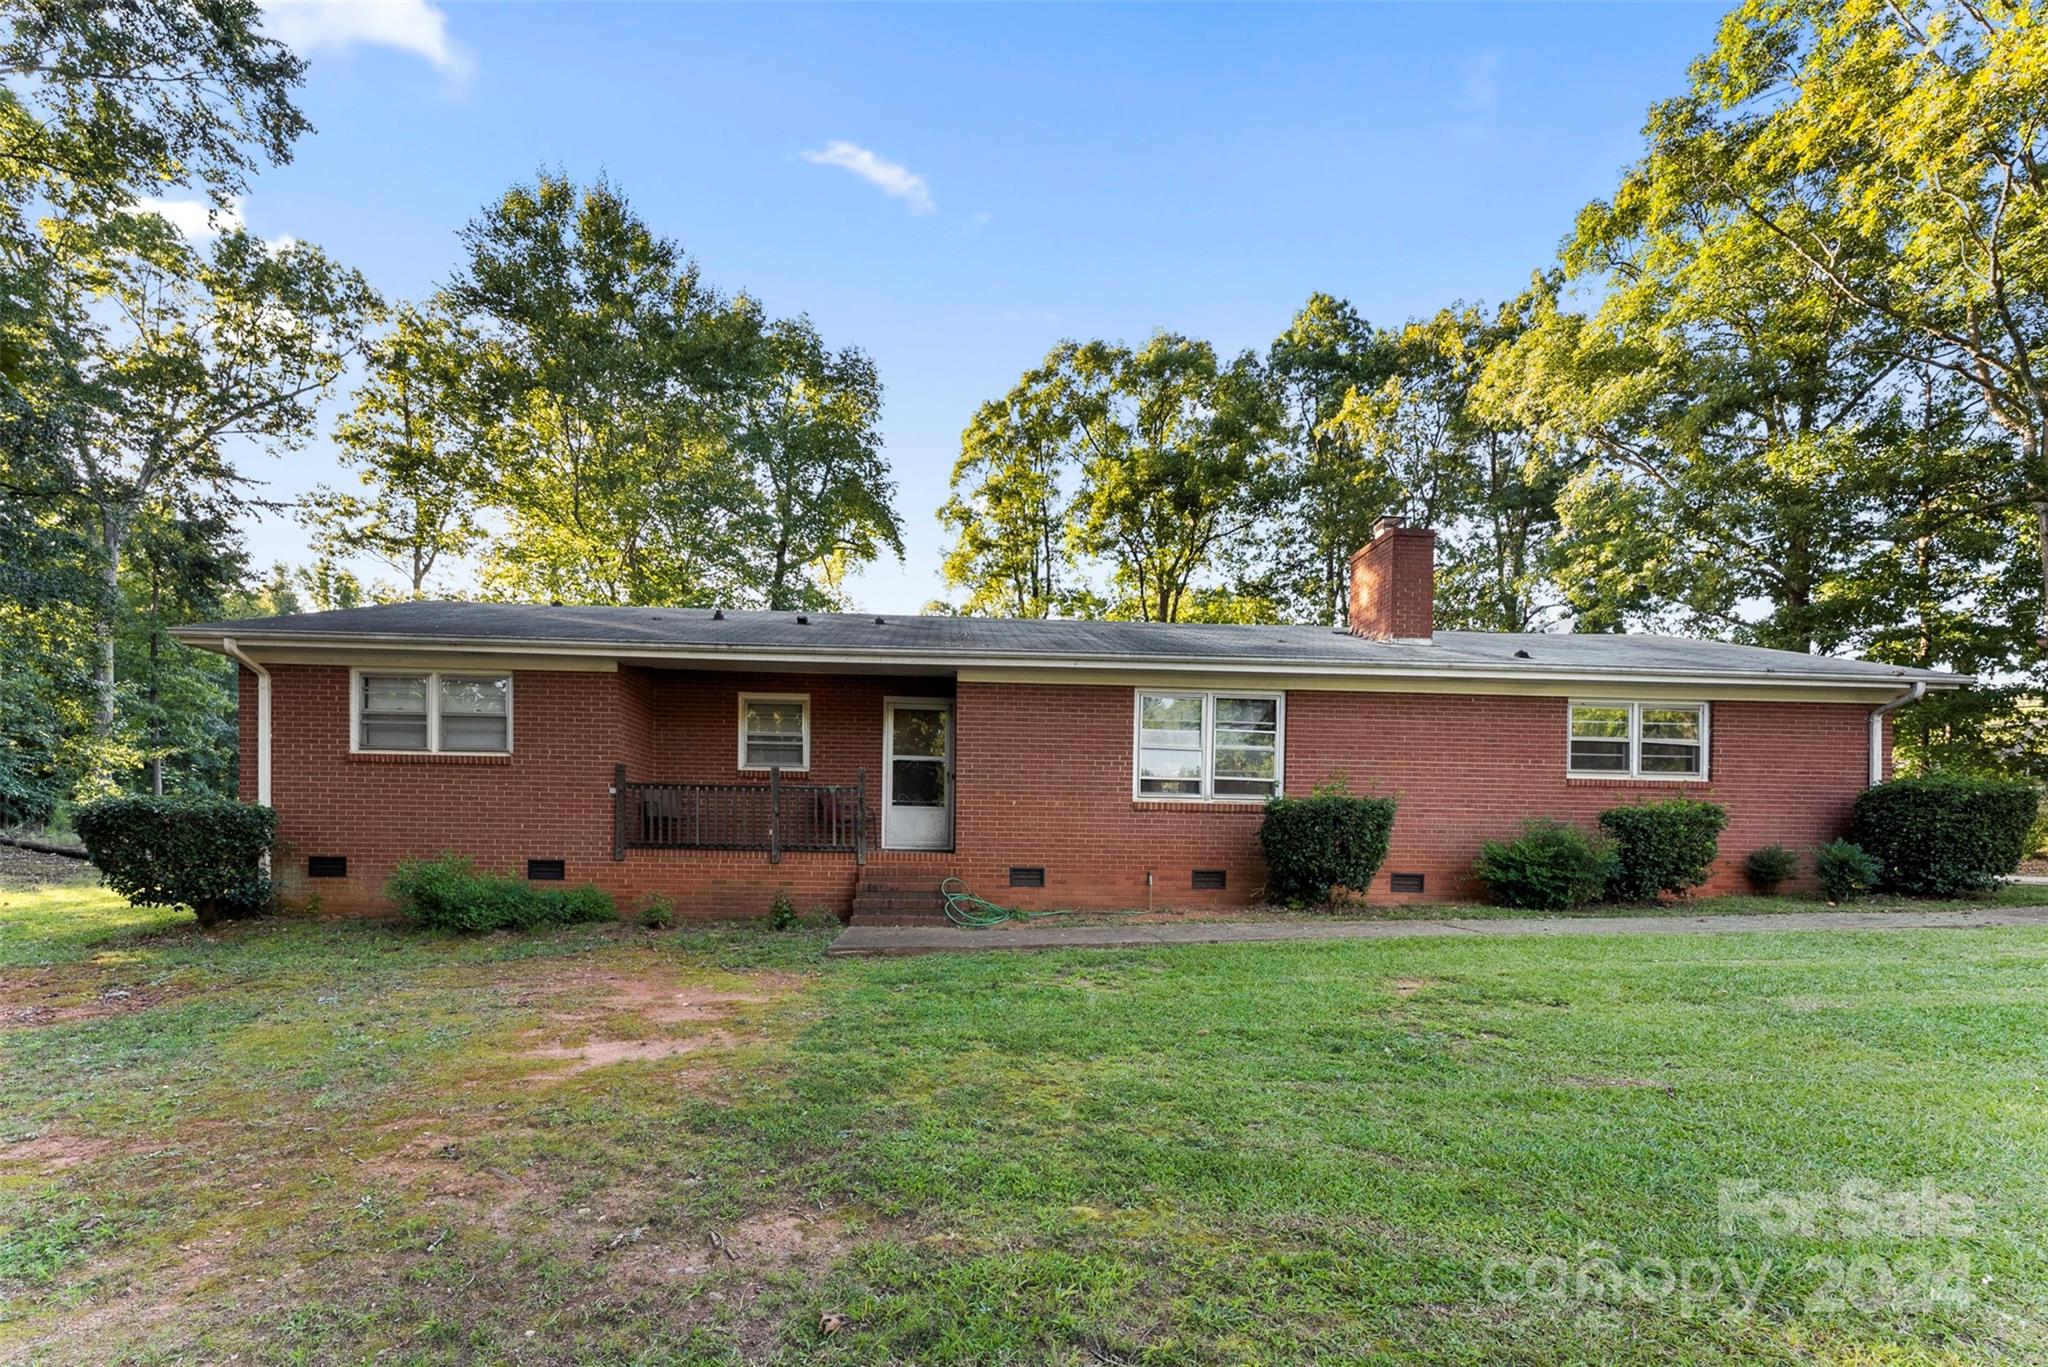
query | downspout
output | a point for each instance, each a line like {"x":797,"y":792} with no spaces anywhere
{"x":1877,"y":716}
{"x":233,"y":651}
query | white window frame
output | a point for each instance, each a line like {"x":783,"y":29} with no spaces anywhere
{"x":746,"y":698}
{"x":433,"y":678}
{"x":1208,"y":697}
{"x":1634,"y":773}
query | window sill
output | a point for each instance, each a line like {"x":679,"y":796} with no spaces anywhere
{"x":1195,"y":804}
{"x":1635,"y":781}
{"x":424,"y":757}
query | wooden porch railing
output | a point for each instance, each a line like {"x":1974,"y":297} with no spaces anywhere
{"x":772,"y":816}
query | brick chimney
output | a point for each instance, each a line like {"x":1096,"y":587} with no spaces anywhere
{"x":1392,"y":584}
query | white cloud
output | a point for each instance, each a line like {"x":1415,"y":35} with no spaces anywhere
{"x":414,"y":26}
{"x":197,"y":219}
{"x":891,"y":178}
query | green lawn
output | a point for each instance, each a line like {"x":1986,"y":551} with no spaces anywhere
{"x":326,"y":1142}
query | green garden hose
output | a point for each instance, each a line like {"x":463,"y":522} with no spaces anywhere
{"x":966,"y":910}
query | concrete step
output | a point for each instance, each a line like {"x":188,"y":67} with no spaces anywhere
{"x":898,"y":918}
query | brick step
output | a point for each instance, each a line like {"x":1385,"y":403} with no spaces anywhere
{"x":899,"y":883}
{"x":870,"y":900}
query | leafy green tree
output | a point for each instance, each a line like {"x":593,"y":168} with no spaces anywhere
{"x":1179,"y":467}
{"x":1010,"y":498}
{"x":179,"y":708}
{"x":1327,"y":354}
{"x":418,"y":436}
{"x":1422,"y":443}
{"x":1728,"y":401}
{"x":46,"y":711}
{"x":108,"y":103}
{"x":178,"y":354}
{"x":1896,"y":152}
{"x":130,"y":359}
{"x":612,"y":460}
{"x":651,"y":440}
{"x":808,"y":426}
{"x":1119,"y":482}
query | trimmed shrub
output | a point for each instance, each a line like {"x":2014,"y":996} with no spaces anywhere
{"x":2037,"y":838}
{"x":656,"y":911}
{"x":1550,"y":866}
{"x":1324,"y":841}
{"x":1846,"y":872}
{"x":449,"y":893}
{"x":1770,"y":866}
{"x":1944,"y":835}
{"x":205,"y":853}
{"x":1662,"y":847}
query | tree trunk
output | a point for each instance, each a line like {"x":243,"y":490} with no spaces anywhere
{"x":113,"y":534}
{"x":156,"y":738}
{"x":2041,"y":513}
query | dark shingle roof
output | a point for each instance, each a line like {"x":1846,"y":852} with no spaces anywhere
{"x":969,"y":640}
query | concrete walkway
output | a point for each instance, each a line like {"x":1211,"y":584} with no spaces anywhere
{"x":879,"y":940}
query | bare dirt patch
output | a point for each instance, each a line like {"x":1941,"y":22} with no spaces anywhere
{"x":759,"y":1245}
{"x":632,"y":1017}
{"x":604,"y":1053}
{"x":49,"y":1153}
{"x":57,"y":997}
{"x":1408,"y":987}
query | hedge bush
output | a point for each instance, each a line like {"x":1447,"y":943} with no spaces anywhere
{"x":1846,"y":872}
{"x":1944,"y":835}
{"x":1324,"y":841}
{"x":1662,"y":847}
{"x":449,"y":893}
{"x":205,"y":853}
{"x":1771,"y":866}
{"x":1550,"y":866}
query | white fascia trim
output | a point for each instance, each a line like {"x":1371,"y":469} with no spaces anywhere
{"x":814,"y":660}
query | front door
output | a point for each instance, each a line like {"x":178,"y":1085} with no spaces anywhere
{"x":917,"y":774}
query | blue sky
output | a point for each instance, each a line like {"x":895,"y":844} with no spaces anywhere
{"x":955,"y":189}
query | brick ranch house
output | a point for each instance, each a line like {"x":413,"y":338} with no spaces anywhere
{"x":852,"y":761}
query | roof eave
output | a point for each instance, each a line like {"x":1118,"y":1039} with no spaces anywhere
{"x":209,"y":638}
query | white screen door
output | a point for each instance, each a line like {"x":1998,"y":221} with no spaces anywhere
{"x":917,"y":775}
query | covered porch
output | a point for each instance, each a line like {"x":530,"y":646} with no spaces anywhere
{"x":849,"y":767}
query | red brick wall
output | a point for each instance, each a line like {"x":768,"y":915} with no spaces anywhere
{"x":1391,"y":588}
{"x":551,"y":797}
{"x":1043,"y":778}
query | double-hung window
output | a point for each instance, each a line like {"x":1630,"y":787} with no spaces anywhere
{"x":433,"y":712}
{"x":1637,"y":740}
{"x":1222,"y":746}
{"x":775,"y":731}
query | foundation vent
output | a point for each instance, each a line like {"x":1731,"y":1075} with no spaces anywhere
{"x":1027,"y":878}
{"x":1404,"y":882}
{"x":326,"y":866}
{"x":546,"y":870}
{"x":1211,"y":880}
